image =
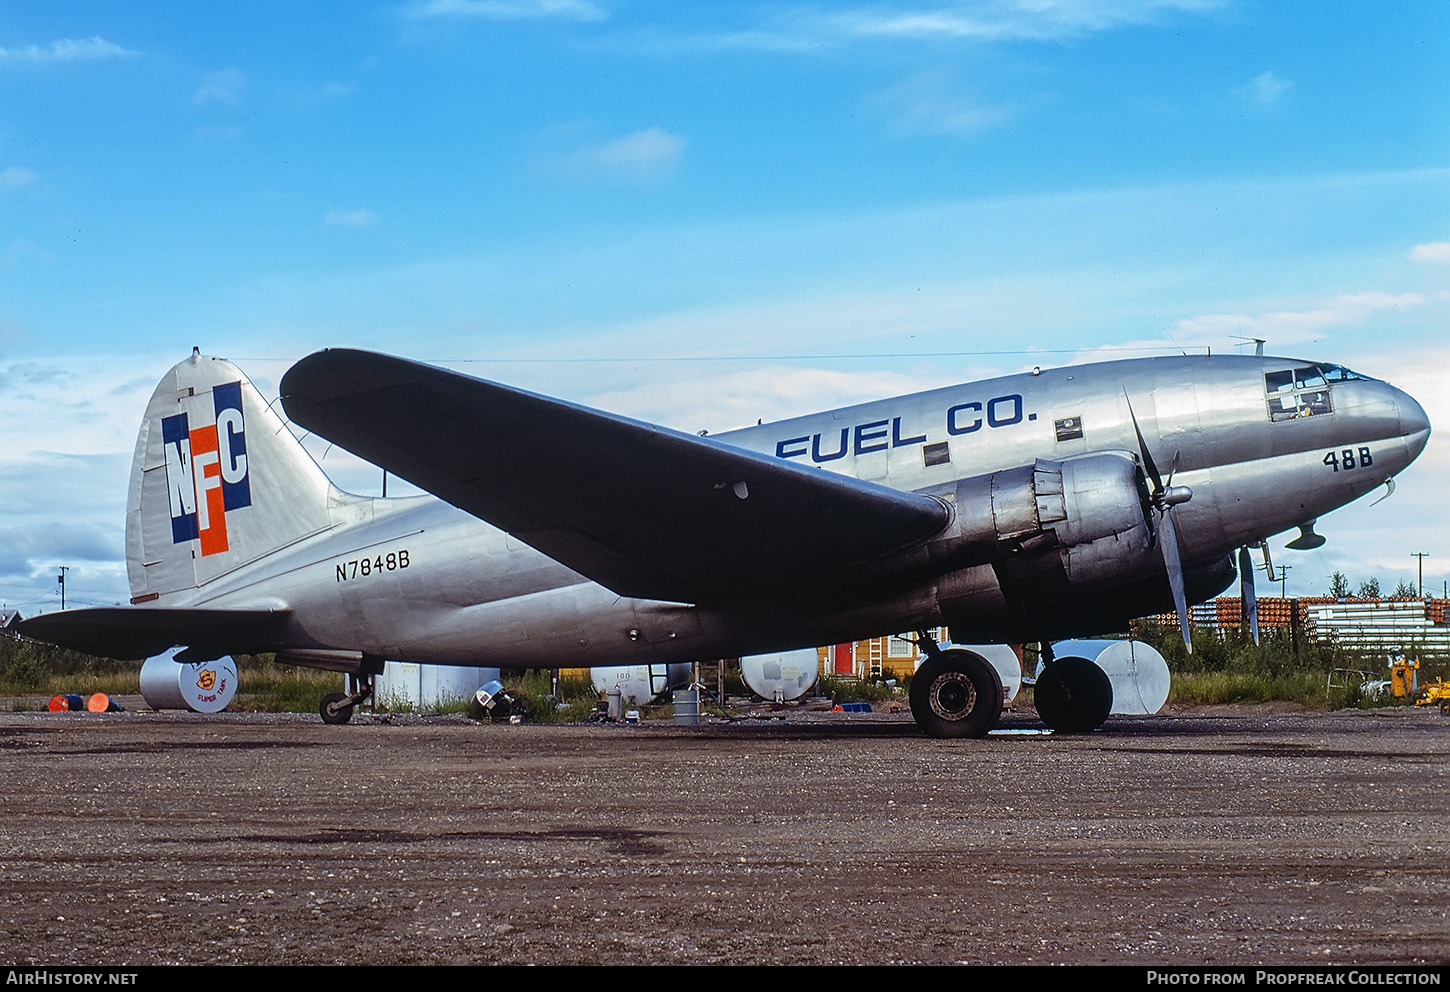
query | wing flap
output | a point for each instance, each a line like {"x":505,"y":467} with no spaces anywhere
{"x":645,"y":511}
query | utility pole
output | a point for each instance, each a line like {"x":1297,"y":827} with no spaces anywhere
{"x":61,"y":580}
{"x":1283,"y":579}
{"x":1422,"y":555}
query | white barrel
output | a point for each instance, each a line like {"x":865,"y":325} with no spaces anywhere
{"x":204,"y":687}
{"x":1139,"y":675}
{"x":782,"y":676}
{"x":1003,"y":658}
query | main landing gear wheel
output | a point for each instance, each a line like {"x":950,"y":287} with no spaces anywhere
{"x":1073,"y":695}
{"x":956,"y":694}
{"x":336,"y":707}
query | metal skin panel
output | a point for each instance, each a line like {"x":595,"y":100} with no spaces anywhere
{"x":1017,"y":536}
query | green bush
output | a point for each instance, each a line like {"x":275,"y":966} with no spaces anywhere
{"x":843,"y":690}
{"x":33,"y":667}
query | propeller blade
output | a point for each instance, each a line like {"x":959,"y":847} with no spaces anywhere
{"x":1174,"y":564}
{"x":1248,"y":599}
{"x":1148,"y":464}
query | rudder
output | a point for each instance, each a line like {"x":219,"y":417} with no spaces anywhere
{"x":217,"y":481}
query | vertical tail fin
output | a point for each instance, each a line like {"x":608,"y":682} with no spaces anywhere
{"x":217,"y":481}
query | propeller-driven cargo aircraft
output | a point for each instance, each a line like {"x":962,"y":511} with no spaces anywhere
{"x":1023,"y":508}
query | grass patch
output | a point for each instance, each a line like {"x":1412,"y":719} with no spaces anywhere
{"x":1209,"y":688}
{"x":843,"y":690}
{"x":36,"y":669}
{"x":263,"y":686}
{"x":541,"y":702}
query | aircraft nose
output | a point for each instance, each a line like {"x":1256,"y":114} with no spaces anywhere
{"x":1414,"y":424}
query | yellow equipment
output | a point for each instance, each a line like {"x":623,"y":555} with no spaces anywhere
{"x":1436,"y":693}
{"x":1402,"y":675}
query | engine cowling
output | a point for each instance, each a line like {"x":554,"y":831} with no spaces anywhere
{"x":1071,"y":522}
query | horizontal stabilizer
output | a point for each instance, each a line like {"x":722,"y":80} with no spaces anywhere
{"x":643,"y":510}
{"x":142,"y":632}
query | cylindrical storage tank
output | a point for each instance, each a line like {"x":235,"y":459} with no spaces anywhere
{"x":1003,"y":658}
{"x":406,"y":684}
{"x":203,"y":686}
{"x":638,"y":684}
{"x":1137,"y":671}
{"x":782,"y":676}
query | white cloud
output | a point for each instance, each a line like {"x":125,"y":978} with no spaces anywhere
{"x":327,"y":93}
{"x":1265,"y":89}
{"x":1435,"y":252}
{"x":356,"y":217}
{"x":933,"y":103}
{"x":720,"y":402}
{"x":65,"y":50}
{"x":807,"y":29}
{"x":507,"y":10}
{"x":222,"y":86}
{"x":1292,"y":326}
{"x":646,"y":156}
{"x":16,"y":177}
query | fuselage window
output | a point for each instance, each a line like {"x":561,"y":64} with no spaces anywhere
{"x":1301,"y":392}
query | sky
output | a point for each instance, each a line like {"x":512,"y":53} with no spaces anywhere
{"x":706,"y":214}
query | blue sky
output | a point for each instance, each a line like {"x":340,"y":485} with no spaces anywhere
{"x":698,"y":213}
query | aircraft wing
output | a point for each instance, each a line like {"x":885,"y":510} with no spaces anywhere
{"x":643,"y":510}
{"x":130,"y":632}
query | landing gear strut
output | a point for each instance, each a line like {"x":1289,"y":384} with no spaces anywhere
{"x":336,"y":707}
{"x":1072,"y":694}
{"x":954,"y":693}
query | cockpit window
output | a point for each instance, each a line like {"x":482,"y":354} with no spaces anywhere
{"x":1338,"y":373}
{"x":1303,"y":391}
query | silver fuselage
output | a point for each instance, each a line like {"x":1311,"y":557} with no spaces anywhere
{"x":415,"y":579}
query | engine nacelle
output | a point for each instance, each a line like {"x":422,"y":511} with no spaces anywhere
{"x":1081,"y":519}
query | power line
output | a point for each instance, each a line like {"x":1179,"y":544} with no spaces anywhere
{"x":616,"y":360}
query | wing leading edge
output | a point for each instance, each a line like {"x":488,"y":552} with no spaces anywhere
{"x":643,"y":510}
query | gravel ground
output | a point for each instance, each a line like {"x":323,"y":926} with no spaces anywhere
{"x":1235,"y":837}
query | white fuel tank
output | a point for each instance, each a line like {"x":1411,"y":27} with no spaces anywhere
{"x":204,"y":687}
{"x":1137,"y":671}
{"x":1003,"y":658}
{"x":782,"y":676}
{"x":638,"y":684}
{"x":405,"y":683}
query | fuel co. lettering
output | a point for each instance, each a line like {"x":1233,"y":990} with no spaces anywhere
{"x":879,"y":435}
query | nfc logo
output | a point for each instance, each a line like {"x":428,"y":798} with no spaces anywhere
{"x":206,"y":471}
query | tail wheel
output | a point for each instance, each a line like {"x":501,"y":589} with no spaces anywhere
{"x":335,"y":708}
{"x":1073,"y":695}
{"x":956,"y":694}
